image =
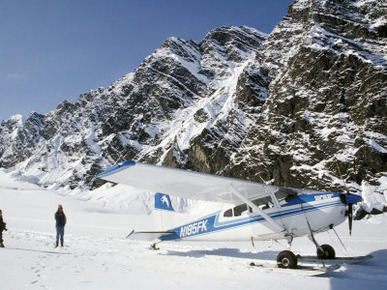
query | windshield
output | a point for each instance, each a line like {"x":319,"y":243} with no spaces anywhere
{"x":285,"y":195}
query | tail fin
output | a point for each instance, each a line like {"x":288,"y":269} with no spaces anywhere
{"x":164,"y":212}
{"x":163,"y":202}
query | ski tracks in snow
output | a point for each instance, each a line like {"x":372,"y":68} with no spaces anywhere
{"x":85,"y":259}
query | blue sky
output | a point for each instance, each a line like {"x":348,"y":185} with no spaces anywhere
{"x":55,"y":50}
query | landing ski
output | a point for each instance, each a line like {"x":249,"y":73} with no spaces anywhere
{"x":301,"y":270}
{"x":336,"y":261}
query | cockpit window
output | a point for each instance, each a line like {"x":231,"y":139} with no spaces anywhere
{"x":264,"y":202}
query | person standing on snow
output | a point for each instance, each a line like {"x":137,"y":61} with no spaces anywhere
{"x":60,"y":218}
{"x":3,"y":227}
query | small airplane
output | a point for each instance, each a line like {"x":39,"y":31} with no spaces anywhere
{"x":258,"y":212}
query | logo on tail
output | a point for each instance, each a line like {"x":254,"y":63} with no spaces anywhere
{"x":163,"y":202}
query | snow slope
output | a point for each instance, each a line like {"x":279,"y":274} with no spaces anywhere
{"x":97,"y":255}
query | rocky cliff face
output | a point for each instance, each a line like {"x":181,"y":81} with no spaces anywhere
{"x":323,"y":123}
{"x":305,"y":106}
{"x":326,"y":110}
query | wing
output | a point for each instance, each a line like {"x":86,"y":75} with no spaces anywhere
{"x":184,"y":183}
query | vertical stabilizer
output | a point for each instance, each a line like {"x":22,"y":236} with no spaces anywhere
{"x":163,"y":202}
{"x":163,"y":211}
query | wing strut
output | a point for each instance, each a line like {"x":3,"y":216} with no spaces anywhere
{"x":256,"y":208}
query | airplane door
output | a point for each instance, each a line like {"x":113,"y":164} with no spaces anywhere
{"x":262,"y":229}
{"x":290,"y":222}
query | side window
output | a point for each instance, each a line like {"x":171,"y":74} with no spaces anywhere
{"x":236,"y":211}
{"x":239,"y":209}
{"x":228,"y":213}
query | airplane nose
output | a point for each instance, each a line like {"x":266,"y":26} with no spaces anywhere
{"x":350,"y":198}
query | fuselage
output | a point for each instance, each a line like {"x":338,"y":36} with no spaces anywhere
{"x":296,"y":214}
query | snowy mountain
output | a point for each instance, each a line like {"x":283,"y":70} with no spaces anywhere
{"x":304,"y":106}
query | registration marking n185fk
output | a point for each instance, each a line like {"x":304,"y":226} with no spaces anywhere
{"x":194,"y":228}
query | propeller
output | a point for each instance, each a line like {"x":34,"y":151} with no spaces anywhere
{"x":350,"y":218}
{"x":350,"y":199}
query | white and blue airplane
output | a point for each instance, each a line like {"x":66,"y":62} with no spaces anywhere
{"x":257,"y":211}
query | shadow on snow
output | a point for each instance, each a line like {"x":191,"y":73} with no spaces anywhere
{"x":358,"y":276}
{"x":38,"y":251}
{"x":225,"y":252}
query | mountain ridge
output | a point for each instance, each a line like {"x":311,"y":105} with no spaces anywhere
{"x":303,"y":106}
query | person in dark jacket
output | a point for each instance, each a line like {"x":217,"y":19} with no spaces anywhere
{"x":3,"y":227}
{"x":60,"y":218}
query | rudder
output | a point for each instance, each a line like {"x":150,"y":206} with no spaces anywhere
{"x":164,"y":211}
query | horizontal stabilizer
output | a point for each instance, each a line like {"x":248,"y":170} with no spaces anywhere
{"x":151,"y":236}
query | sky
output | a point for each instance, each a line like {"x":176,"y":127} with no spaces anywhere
{"x":55,"y":50}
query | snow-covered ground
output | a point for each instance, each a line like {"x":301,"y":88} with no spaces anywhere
{"x":97,"y":255}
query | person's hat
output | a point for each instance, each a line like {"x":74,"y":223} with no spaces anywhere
{"x":60,"y":206}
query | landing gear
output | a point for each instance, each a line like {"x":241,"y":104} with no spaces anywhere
{"x":326,"y":252}
{"x":323,"y":251}
{"x":287,"y":259}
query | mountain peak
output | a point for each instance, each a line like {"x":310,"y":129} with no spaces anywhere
{"x":301,"y":107}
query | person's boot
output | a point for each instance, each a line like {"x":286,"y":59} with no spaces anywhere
{"x":56,"y":245}
{"x":1,"y":245}
{"x":61,"y":244}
